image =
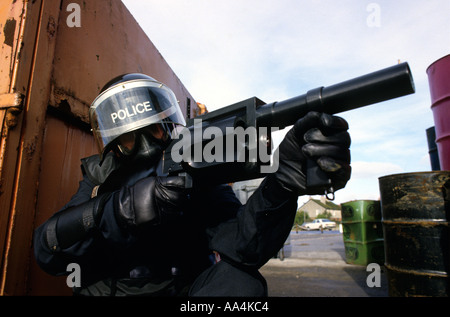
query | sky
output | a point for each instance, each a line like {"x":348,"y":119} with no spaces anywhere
{"x":228,"y":51}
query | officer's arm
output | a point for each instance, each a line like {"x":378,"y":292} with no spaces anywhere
{"x":263,"y":224}
{"x":91,"y":230}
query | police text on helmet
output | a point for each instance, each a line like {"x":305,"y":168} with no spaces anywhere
{"x":131,"y":111}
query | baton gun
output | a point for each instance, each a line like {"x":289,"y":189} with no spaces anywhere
{"x":213,"y":148}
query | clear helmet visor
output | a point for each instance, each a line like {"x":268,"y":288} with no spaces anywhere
{"x":130,"y":106}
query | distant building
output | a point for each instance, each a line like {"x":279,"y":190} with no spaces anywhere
{"x":315,"y":207}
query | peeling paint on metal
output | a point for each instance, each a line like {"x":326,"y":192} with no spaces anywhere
{"x":9,"y":30}
{"x":11,"y":119}
{"x":29,"y":149}
{"x":51,"y":27}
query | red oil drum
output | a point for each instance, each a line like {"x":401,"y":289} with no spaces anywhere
{"x":439,"y":81}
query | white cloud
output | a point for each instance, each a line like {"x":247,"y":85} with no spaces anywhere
{"x":364,"y":170}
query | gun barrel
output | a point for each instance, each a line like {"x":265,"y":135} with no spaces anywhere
{"x":382,"y":85}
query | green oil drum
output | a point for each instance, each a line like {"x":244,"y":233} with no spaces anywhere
{"x":415,"y":210}
{"x":362,"y":232}
{"x":364,"y":253}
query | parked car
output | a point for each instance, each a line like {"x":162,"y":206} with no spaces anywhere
{"x":318,"y":223}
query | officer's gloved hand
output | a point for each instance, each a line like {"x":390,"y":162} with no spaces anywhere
{"x":322,"y":138}
{"x":152,"y":200}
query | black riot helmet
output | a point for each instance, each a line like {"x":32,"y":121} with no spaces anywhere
{"x":134,"y":115}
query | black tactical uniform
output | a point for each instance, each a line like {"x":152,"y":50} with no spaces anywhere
{"x":133,"y":233}
{"x":165,"y":258}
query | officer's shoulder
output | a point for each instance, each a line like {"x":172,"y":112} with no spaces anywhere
{"x":94,"y":171}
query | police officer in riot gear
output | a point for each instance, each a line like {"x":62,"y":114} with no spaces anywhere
{"x":135,"y":233}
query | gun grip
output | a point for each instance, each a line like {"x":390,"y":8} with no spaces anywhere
{"x":317,"y":179}
{"x":187,"y":180}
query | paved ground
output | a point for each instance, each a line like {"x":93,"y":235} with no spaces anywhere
{"x":315,"y":266}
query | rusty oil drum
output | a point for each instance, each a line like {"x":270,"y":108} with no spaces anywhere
{"x":415,"y":217}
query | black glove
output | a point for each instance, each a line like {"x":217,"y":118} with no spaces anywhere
{"x":322,"y":138}
{"x":152,"y":200}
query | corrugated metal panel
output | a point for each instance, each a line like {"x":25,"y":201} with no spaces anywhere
{"x":63,"y":68}
{"x":18,"y":22}
{"x":109,"y":43}
{"x":22,"y":152}
{"x":63,"y":147}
